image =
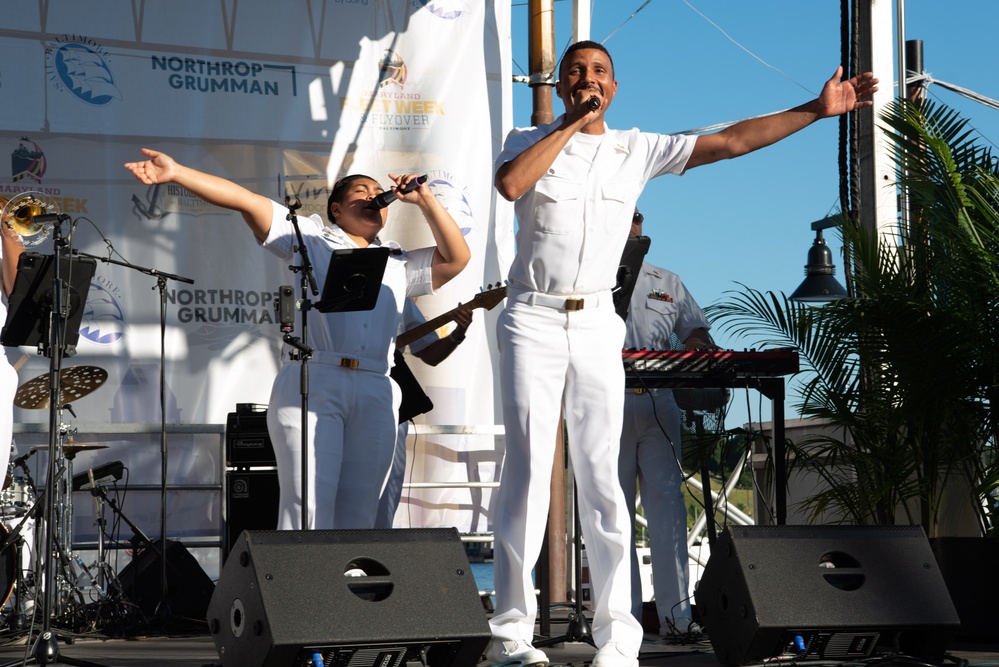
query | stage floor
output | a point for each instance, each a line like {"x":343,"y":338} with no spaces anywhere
{"x":199,"y":651}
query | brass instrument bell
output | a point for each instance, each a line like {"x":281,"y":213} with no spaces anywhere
{"x":19,"y":213}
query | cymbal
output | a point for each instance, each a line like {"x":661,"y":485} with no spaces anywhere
{"x":71,"y":449}
{"x":75,"y":382}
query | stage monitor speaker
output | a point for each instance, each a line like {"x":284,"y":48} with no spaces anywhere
{"x":189,"y":589}
{"x":367,"y":598}
{"x":252,"y":498}
{"x":827,"y":592}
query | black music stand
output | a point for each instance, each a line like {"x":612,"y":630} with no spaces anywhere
{"x":353,"y":280}
{"x":30,"y":301}
{"x":634,"y":253}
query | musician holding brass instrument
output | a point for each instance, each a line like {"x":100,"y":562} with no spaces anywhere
{"x":16,"y":216}
{"x":660,"y":310}
{"x":575,"y":183}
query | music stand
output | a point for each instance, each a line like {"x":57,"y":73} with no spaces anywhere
{"x":627,"y":273}
{"x":353,"y":279}
{"x":31,"y":301}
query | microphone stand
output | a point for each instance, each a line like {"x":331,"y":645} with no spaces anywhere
{"x":302,"y":350}
{"x":163,"y":611}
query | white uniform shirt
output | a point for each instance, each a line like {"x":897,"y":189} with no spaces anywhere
{"x":366,"y":334}
{"x":661,"y":305}
{"x":573,"y":224}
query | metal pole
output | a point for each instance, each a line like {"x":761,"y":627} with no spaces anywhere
{"x":541,"y":33}
{"x":541,"y":56}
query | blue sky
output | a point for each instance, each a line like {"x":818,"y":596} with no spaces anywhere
{"x":747,"y":220}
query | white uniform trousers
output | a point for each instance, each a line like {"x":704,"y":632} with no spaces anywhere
{"x":543,"y":351}
{"x":352,"y":429}
{"x":646,"y":455}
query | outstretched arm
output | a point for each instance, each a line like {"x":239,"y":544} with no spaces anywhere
{"x":837,"y":97}
{"x":161,"y":168}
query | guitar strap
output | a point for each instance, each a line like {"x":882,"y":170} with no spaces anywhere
{"x":414,"y":400}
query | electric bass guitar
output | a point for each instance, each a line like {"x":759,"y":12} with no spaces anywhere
{"x":414,"y":400}
{"x":486,"y":299}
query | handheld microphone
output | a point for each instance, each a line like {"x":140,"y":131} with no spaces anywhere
{"x":593,"y":103}
{"x":389,"y":196}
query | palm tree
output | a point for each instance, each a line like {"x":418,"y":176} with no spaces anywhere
{"x":905,"y":372}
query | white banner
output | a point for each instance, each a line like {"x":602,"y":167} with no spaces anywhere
{"x":282,"y":98}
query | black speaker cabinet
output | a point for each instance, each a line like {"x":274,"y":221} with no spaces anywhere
{"x":251,"y":502}
{"x":367,"y":598}
{"x":247,"y":442}
{"x":189,"y":589}
{"x":829,"y":592}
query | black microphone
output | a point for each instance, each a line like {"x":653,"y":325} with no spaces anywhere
{"x":389,"y":196}
{"x":20,"y":460}
{"x":593,"y":103}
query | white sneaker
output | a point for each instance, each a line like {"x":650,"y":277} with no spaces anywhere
{"x":514,"y":652}
{"x":613,"y":654}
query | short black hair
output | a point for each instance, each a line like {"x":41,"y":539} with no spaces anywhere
{"x":339,"y":189}
{"x":584,"y":44}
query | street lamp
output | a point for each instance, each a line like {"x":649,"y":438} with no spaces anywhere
{"x":820,"y":284}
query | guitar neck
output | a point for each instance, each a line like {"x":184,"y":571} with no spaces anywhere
{"x":404,"y":339}
{"x":486,"y":299}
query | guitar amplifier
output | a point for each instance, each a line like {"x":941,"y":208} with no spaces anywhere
{"x":247,"y":443}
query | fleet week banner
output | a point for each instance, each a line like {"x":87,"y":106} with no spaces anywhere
{"x":282,"y":98}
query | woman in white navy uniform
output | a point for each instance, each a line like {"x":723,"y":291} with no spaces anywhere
{"x":352,"y":412}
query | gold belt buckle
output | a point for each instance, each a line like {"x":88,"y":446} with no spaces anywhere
{"x":639,"y":390}
{"x":347,"y":362}
{"x":573,"y":304}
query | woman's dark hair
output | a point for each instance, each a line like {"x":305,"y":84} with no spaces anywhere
{"x":339,"y":189}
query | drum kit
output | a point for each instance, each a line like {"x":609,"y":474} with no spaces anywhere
{"x":76,"y":585}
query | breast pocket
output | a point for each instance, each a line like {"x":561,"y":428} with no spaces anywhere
{"x":557,"y":204}
{"x":619,"y":198}
{"x":661,"y":316}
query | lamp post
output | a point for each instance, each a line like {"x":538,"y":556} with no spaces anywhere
{"x":820,"y":284}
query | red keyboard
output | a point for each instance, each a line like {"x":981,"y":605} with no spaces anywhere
{"x":709,"y":364}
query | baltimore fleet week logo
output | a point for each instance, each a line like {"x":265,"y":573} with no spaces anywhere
{"x":80,"y":66}
{"x":27,"y":162}
{"x":389,"y":103}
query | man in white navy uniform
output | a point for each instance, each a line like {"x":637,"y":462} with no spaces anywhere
{"x":352,"y":407}
{"x":575,"y":183}
{"x":660,"y":308}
